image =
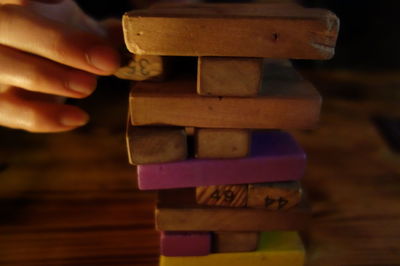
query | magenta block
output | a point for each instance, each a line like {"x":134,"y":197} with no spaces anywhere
{"x":185,"y":243}
{"x":275,"y":156}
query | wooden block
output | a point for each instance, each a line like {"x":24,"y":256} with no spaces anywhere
{"x":225,"y":242}
{"x":147,"y":145}
{"x":190,"y":131}
{"x":259,"y":30}
{"x":275,"y":249}
{"x":288,"y":102}
{"x":177,"y":210}
{"x":185,"y":243}
{"x":275,"y":195}
{"x":195,"y":4}
{"x":215,"y":143}
{"x":275,"y":156}
{"x":229,"y":76}
{"x":223,"y":195}
{"x":142,"y":67}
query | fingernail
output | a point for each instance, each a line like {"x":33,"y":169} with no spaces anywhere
{"x":81,"y":82}
{"x":103,"y":58}
{"x":74,"y":119}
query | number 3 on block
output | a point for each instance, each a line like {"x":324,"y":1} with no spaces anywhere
{"x":142,"y":67}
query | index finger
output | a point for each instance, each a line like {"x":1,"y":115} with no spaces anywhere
{"x":23,"y":2}
{"x":29,"y":32}
{"x":48,"y":1}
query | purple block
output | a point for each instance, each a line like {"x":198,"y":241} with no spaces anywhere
{"x":275,"y":156}
{"x":185,"y":243}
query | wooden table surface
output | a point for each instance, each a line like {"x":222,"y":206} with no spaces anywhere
{"x":70,"y":199}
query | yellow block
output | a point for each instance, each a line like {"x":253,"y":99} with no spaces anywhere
{"x":275,"y":249}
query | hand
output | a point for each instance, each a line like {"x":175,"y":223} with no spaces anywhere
{"x":43,"y":56}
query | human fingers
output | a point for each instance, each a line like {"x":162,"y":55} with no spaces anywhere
{"x":34,"y":73}
{"x":25,"y":2}
{"x":18,"y":112}
{"x":64,"y":11}
{"x":113,"y":28}
{"x":32,"y":33}
{"x":67,"y":12}
{"x":49,"y":1}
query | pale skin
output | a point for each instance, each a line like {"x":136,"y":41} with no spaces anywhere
{"x":42,"y":59}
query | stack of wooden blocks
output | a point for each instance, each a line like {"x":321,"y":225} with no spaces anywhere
{"x":227,"y":174}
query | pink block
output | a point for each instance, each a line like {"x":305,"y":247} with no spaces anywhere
{"x":185,"y":243}
{"x":275,"y":156}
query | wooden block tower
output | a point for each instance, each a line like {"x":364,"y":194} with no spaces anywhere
{"x":214,"y":146}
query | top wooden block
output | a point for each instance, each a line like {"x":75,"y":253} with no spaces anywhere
{"x":234,"y":30}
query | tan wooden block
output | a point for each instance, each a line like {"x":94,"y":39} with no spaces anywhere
{"x":222,"y":195}
{"x":271,"y":4}
{"x":177,"y":210}
{"x":226,"y":242}
{"x":229,"y":76}
{"x":285,"y":102}
{"x":142,"y":67}
{"x":148,"y":145}
{"x":259,"y":30}
{"x":274,"y":196}
{"x":222,"y":143}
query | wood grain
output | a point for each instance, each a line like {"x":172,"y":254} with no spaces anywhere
{"x":274,"y":195}
{"x":248,"y":7}
{"x":233,"y":31}
{"x":286,"y":102}
{"x":143,"y":67}
{"x":276,"y":248}
{"x":229,"y":76}
{"x":223,"y":195}
{"x":80,"y":206}
{"x":215,"y":143}
{"x":226,"y":242}
{"x":177,"y":211}
{"x":147,"y":145}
